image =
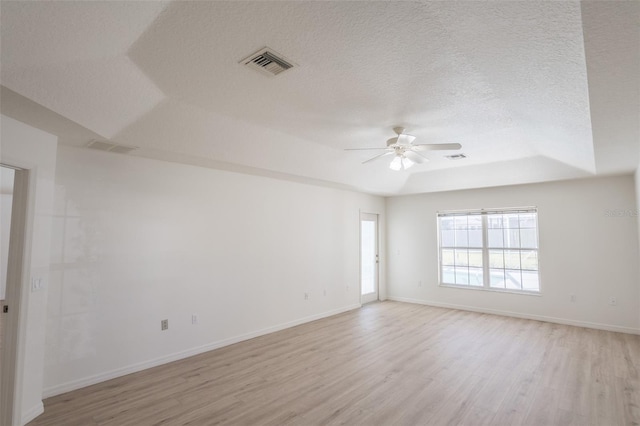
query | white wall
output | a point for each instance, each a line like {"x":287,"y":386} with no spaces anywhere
{"x":137,"y":241}
{"x":583,"y":251}
{"x":29,"y":148}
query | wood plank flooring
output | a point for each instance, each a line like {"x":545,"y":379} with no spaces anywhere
{"x":388,"y":363}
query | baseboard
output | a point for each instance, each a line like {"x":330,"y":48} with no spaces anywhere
{"x":564,"y":321}
{"x":98,"y":378}
{"x":32,"y":413}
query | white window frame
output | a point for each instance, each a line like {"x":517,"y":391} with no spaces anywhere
{"x":484,"y":213}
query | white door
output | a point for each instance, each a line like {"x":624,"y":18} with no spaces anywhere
{"x":368,"y":257}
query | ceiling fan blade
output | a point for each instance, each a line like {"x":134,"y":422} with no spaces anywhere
{"x":363,"y":149}
{"x":404,"y":139}
{"x":435,"y":146}
{"x":378,"y":156}
{"x":415,"y":157}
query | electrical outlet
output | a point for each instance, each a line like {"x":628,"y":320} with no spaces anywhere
{"x":613,"y":301}
{"x":164,"y":324}
{"x":194,"y":318}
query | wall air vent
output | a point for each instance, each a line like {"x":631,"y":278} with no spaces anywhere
{"x":268,"y":62}
{"x":456,"y":156}
{"x":110,"y":147}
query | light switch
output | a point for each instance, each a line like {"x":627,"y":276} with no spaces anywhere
{"x":37,"y":284}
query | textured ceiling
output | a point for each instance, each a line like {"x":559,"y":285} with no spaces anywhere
{"x":534,"y":91}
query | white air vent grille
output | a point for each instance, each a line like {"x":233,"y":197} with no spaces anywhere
{"x":110,"y":147}
{"x":456,"y":156}
{"x":268,"y":62}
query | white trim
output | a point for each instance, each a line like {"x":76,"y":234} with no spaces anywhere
{"x":497,"y":290}
{"x":98,"y":378}
{"x":32,"y":413}
{"x":564,"y":321}
{"x":486,"y":211}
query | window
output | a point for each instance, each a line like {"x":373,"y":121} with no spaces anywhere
{"x":490,"y":249}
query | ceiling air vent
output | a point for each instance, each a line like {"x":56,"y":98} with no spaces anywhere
{"x":456,"y":156}
{"x":110,"y":147}
{"x":268,"y":62}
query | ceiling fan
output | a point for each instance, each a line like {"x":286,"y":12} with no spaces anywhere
{"x":404,"y":152}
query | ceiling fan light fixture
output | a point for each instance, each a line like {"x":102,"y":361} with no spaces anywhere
{"x":406,"y":162}
{"x":396,"y":163}
{"x":405,"y":152}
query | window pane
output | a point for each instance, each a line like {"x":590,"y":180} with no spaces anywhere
{"x":368,"y":257}
{"x":447,"y":239}
{"x":447,"y":257}
{"x":461,"y":238}
{"x":461,"y":222}
{"x":511,"y":221}
{"x":529,"y":260}
{"x":475,"y":277}
{"x":527,"y":220}
{"x":475,"y":258}
{"x":530,"y":281}
{"x":446,"y":223}
{"x":495,"y":238}
{"x":462,"y":276}
{"x":513,"y":280}
{"x":496,"y":258}
{"x":496,"y":278}
{"x":448,"y":275}
{"x":474,"y":221}
{"x":512,"y":238}
{"x":475,"y":238}
{"x":528,"y":238}
{"x":494,"y":221}
{"x":462,"y":258}
{"x":512,"y":259}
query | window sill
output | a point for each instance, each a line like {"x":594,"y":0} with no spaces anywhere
{"x":495,"y":290}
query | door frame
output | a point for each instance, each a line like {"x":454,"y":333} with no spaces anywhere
{"x":17,"y":271}
{"x":361,"y":218}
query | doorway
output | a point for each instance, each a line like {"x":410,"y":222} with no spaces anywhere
{"x":369,"y":257}
{"x":6,"y":201}
{"x":13,"y":205}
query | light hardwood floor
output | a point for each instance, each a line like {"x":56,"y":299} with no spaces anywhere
{"x":387,"y":363}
